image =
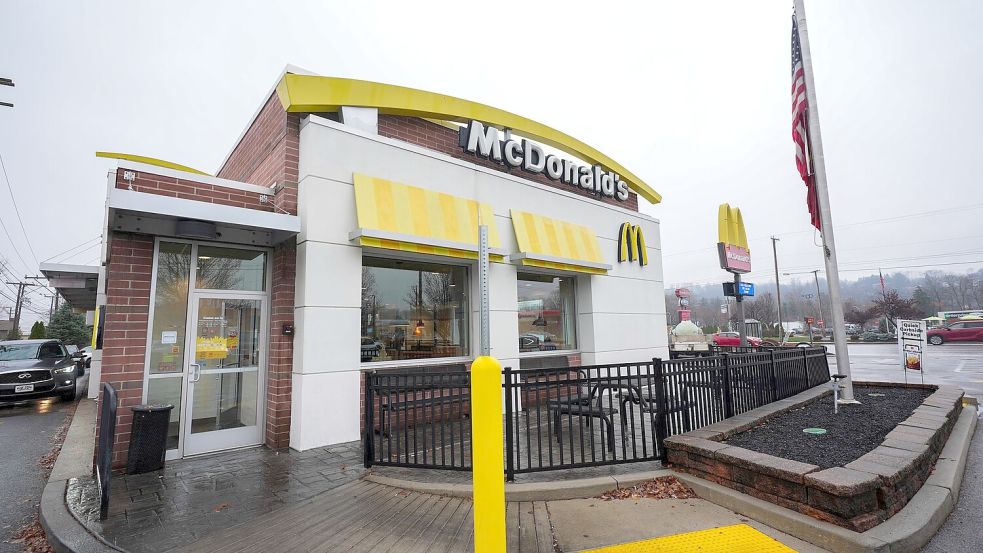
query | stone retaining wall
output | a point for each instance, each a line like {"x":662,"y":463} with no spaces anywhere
{"x":858,"y":496}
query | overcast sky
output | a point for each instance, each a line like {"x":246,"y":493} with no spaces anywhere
{"x":694,"y":97}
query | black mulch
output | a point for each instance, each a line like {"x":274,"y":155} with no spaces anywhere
{"x":856,"y":430}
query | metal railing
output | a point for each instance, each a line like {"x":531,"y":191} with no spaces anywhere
{"x":104,"y":447}
{"x":418,"y":418}
{"x":571,"y":417}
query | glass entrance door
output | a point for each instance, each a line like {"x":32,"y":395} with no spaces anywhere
{"x":225,"y":373}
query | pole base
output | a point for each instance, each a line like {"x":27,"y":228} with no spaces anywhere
{"x":842,"y":401}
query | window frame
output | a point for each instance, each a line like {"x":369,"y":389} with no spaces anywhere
{"x":430,"y":361}
{"x":576,"y":315}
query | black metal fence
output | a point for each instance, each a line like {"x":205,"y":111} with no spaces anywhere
{"x":104,"y":447}
{"x":570,"y":417}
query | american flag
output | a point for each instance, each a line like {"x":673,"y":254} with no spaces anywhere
{"x":800,"y":126}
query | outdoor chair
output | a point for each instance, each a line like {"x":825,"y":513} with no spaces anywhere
{"x":586,"y":402}
{"x":644,"y":398}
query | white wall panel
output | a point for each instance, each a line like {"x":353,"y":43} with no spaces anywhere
{"x":325,"y":409}
{"x":328,"y":275}
{"x":327,"y":339}
{"x":326,"y":209}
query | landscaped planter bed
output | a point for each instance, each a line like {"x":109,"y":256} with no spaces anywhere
{"x":860,"y":484}
{"x":854,"y":431}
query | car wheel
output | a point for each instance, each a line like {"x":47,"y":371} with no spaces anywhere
{"x":935,"y":340}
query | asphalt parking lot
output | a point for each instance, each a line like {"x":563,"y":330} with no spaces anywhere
{"x":26,"y":431}
{"x":959,"y":364}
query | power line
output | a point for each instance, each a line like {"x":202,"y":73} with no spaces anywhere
{"x":74,"y":248}
{"x":17,"y":210}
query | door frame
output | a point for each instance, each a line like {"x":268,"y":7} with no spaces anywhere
{"x":194,"y":301}
{"x":191,"y":308}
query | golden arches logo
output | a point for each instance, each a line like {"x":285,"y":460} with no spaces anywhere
{"x":730,"y":226}
{"x":631,"y":244}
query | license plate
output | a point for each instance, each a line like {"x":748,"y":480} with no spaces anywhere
{"x":24,"y":388}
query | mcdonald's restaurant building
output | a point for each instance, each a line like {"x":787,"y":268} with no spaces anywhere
{"x":340,"y":236}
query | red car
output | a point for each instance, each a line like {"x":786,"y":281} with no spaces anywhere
{"x":732,"y":339}
{"x":961,"y":331}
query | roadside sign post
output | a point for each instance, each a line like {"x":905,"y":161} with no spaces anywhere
{"x":735,"y":258}
{"x":912,"y":337}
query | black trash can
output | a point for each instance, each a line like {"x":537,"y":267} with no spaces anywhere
{"x":148,"y":438}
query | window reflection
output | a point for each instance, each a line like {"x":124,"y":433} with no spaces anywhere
{"x":170,"y":308}
{"x":547,"y":313}
{"x":413,"y":310}
{"x":231,"y":269}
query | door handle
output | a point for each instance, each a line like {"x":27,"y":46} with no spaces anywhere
{"x":195,"y":372}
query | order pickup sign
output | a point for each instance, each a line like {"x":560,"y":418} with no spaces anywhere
{"x":911,"y":342}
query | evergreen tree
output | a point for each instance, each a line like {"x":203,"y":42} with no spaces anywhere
{"x":68,"y":326}
{"x":14,"y":334}
{"x":37,"y":331}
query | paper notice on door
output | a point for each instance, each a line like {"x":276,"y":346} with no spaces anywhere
{"x":168,"y":337}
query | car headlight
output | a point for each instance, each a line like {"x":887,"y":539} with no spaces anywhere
{"x":65,"y":370}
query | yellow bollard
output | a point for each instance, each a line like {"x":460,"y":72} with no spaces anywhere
{"x":488,"y":472}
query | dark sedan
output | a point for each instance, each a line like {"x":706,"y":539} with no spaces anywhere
{"x":33,"y":369}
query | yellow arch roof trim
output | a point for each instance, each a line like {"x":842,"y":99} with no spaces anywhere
{"x":151,"y":161}
{"x":311,"y":93}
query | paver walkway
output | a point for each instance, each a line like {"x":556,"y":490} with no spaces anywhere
{"x":364,"y":516}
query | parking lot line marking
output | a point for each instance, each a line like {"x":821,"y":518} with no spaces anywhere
{"x":739,"y":538}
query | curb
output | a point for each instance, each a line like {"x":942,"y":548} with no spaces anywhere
{"x":582,"y":488}
{"x":907,"y":531}
{"x":65,"y":533}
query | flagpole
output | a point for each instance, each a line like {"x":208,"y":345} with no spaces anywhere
{"x":825,"y":217}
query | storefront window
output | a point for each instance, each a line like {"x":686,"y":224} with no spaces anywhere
{"x":231,"y":269}
{"x":546,"y":313}
{"x":413,"y":310}
{"x":168,"y":331}
{"x":170,"y":308}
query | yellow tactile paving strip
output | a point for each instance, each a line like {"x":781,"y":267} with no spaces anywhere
{"x":739,"y":538}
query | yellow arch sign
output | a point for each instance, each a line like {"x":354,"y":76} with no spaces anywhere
{"x":310,"y":93}
{"x":730,"y":226}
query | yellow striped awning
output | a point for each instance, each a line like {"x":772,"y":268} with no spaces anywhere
{"x":554,"y":244}
{"x":397,"y":216}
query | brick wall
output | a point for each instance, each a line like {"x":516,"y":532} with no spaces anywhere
{"x":151,"y":183}
{"x":269,"y":152}
{"x":280,"y":366}
{"x":128,"y":276}
{"x":443,"y":139}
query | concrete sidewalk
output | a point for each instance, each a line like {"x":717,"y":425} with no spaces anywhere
{"x":961,"y":531}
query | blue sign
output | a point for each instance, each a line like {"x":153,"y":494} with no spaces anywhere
{"x":745,"y":289}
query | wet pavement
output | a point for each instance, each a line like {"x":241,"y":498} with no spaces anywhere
{"x":26,"y":430}
{"x":193,"y":498}
{"x":956,"y":364}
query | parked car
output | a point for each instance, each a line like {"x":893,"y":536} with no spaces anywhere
{"x":87,"y":356}
{"x":34,"y":369}
{"x":733,"y":339}
{"x":961,"y":331}
{"x":79,"y":361}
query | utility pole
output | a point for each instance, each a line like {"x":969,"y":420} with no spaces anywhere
{"x":825,"y":216}
{"x":778,"y":289}
{"x":17,"y":306}
{"x":6,"y":82}
{"x":20,"y":302}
